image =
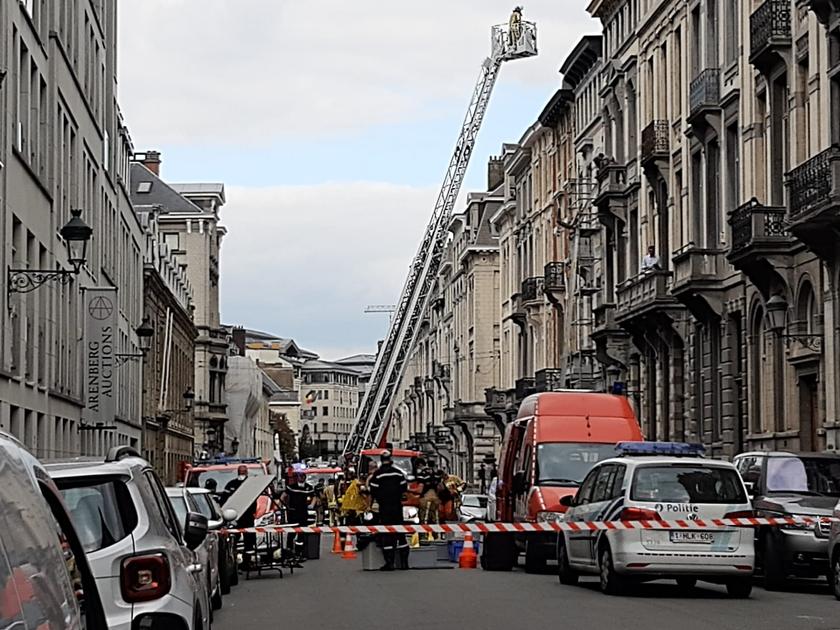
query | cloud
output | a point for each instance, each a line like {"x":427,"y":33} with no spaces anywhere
{"x":251,"y":72}
{"x":304,"y":261}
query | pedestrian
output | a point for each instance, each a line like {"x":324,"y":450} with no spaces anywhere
{"x":331,"y":499}
{"x":491,"y":494}
{"x":353,"y":504}
{"x":299,"y":497}
{"x":651,"y":261}
{"x":388,"y":486}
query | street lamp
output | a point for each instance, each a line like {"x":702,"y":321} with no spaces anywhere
{"x":776,"y":308}
{"x":144,"y":334}
{"x":189,"y":399}
{"x":76,"y":234}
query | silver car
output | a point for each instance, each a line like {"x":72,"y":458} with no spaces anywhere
{"x":834,"y":549}
{"x":44,"y":574}
{"x":143,"y":558}
{"x":183,"y":502}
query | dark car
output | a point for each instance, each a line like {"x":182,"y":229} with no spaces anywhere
{"x":792,"y":484}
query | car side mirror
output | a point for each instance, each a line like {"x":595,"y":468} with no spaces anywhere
{"x":519,"y":484}
{"x":567,"y":501}
{"x":195,"y":530}
{"x":229,"y":515}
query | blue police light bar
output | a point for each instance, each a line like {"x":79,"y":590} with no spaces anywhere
{"x":672,"y":449}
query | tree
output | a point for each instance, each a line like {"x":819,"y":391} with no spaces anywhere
{"x":307,"y":446}
{"x":287,"y":437}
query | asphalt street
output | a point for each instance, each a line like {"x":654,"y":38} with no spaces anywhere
{"x":332,"y":593}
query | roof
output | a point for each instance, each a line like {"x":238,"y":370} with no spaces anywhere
{"x":159,"y":193}
{"x":667,"y":460}
{"x":257,"y":340}
{"x":581,"y":60}
{"x":556,"y":106}
{"x":790,"y":454}
{"x":357,"y":358}
{"x":318,"y":365}
{"x":201,"y":189}
{"x":89,"y":467}
{"x":485,"y":237}
{"x":269,"y":386}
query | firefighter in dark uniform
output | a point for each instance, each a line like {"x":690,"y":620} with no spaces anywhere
{"x":298,"y":498}
{"x":387,"y":486}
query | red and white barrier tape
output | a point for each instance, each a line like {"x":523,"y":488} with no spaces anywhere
{"x":558,"y":526}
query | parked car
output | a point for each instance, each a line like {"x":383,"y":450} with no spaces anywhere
{"x":652,"y":481}
{"x":45,"y":578}
{"x":208,"y":552}
{"x":217,"y":519}
{"x":143,"y":558}
{"x":834,"y":551}
{"x":473,"y":508}
{"x":792,"y":484}
{"x":554,"y":442}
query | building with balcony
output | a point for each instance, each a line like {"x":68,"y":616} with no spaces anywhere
{"x":64,"y":146}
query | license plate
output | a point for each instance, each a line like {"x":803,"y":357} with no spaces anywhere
{"x":699,"y":538}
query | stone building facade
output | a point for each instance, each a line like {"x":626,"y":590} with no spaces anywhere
{"x":64,"y":146}
{"x":189,"y":219}
{"x":168,"y":367}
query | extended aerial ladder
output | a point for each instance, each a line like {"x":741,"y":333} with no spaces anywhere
{"x":515,"y":40}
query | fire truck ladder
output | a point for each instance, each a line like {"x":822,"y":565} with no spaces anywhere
{"x":515,"y":40}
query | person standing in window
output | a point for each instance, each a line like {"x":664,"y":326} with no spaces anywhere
{"x":651,"y":261}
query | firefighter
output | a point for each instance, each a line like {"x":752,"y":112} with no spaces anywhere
{"x":388,"y":486}
{"x":431,"y":480}
{"x":299,"y":497}
{"x":353,"y":504}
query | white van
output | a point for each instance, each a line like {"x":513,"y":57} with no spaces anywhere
{"x":45,"y":580}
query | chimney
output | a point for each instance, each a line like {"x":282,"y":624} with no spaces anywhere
{"x":239,"y":340}
{"x":495,"y":173}
{"x":151,"y":160}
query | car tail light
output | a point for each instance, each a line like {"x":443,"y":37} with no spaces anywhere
{"x":145,"y":578}
{"x":639,"y":514}
{"x":741,"y":514}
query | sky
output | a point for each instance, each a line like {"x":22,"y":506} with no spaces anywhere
{"x":331,"y":124}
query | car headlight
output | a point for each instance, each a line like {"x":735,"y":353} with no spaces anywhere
{"x":801,"y":526}
{"x":550,"y":517}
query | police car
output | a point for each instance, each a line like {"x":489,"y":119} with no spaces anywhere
{"x":650,"y":481}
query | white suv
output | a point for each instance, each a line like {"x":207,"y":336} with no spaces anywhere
{"x":143,"y":559}
{"x":652,"y":481}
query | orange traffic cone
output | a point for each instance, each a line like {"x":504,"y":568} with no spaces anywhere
{"x":349,"y":549}
{"x":337,"y":547}
{"x":468,"y":558}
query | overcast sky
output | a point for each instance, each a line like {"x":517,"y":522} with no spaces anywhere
{"x":331,"y":124}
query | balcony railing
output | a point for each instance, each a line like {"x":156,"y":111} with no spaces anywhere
{"x":643,"y":292}
{"x":704,"y":92}
{"x":757,"y":224}
{"x":531,"y":290}
{"x":549,"y":380}
{"x":812,"y":183}
{"x":769,"y":26}
{"x":555,"y":276}
{"x":697,"y":264}
{"x":604,"y":318}
{"x":655,"y":140}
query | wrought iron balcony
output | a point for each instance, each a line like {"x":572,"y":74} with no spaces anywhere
{"x":656,"y":142}
{"x":531,"y":291}
{"x":704,"y":92}
{"x":770,"y":33}
{"x":757,"y":228}
{"x":549,"y":380}
{"x":525,"y":387}
{"x":555,"y":277}
{"x":649,"y":291}
{"x":814,"y":189}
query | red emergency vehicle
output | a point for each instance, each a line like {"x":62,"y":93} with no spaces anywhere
{"x":404,"y":460}
{"x":556,"y":439}
{"x":222,"y":471}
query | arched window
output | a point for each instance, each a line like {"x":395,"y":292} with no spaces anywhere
{"x":758,"y":366}
{"x":807,"y":313}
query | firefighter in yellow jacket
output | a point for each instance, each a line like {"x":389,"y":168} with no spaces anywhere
{"x":353,"y":503}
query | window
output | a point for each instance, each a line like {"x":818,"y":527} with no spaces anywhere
{"x":564,"y":463}
{"x":603,"y":484}
{"x":325,"y":411}
{"x":164,"y":507}
{"x":584,"y":495}
{"x":144,"y":187}
{"x":809,"y":475}
{"x":686,"y":483}
{"x":101,"y":510}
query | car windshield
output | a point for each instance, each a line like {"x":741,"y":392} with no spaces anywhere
{"x":323,"y":478}
{"x":474,"y":501}
{"x":687,"y":483}
{"x":218,"y":479}
{"x":568,"y":463}
{"x":804,"y":475}
{"x":101,"y":514}
{"x":204,"y":506}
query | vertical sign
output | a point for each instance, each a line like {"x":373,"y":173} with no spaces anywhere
{"x":100,"y":347}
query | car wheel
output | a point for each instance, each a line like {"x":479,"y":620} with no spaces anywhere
{"x":535,"y":560}
{"x":565,"y":572}
{"x":774,"y":564}
{"x":234,"y":571}
{"x":835,"y":575}
{"x":611,"y":582}
{"x":686,"y":583}
{"x":224,"y":577}
{"x":740,"y":588}
{"x":216,"y":600}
